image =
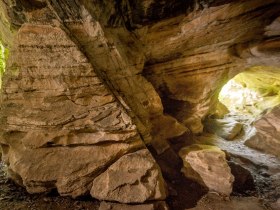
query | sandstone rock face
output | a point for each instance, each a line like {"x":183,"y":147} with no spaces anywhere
{"x":192,"y":56}
{"x":61,"y":126}
{"x":89,"y":83}
{"x":208,"y":166}
{"x":267,"y":133}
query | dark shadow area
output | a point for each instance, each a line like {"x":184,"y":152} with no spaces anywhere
{"x":183,"y":193}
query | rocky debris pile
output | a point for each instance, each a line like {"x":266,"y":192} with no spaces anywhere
{"x":91,"y":83}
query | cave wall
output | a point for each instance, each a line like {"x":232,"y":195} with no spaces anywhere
{"x":61,"y":126}
{"x":190,"y":57}
{"x":88,"y":84}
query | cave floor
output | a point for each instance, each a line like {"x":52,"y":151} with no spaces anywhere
{"x":265,"y":168}
{"x":14,"y":197}
{"x":183,"y":193}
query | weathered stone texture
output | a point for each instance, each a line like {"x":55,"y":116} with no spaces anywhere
{"x":190,"y":57}
{"x":208,"y":166}
{"x":61,"y":126}
{"x":133,"y":178}
{"x":225,"y":128}
{"x":89,"y":83}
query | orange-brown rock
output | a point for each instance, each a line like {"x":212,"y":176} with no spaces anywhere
{"x":90,"y":83}
{"x":61,"y":125}
{"x":208,"y":166}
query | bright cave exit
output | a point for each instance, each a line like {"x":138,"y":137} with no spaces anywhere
{"x":252,"y":92}
{"x":243,"y":100}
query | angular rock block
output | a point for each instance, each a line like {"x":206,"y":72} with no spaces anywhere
{"x":134,"y":177}
{"x":208,"y":166}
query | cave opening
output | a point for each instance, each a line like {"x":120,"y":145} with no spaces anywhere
{"x":244,"y":100}
{"x":246,"y":126}
{"x":252,"y":92}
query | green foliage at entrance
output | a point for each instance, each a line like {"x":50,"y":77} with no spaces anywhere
{"x":3,"y":57}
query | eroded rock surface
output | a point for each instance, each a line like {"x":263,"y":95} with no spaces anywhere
{"x":61,"y":126}
{"x":89,"y":83}
{"x":192,"y":56}
{"x":208,"y":166}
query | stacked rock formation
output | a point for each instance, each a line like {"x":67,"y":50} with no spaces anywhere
{"x":89,"y":84}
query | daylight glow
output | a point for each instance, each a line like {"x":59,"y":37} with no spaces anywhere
{"x":238,"y":98}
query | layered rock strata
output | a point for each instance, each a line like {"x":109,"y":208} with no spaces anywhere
{"x":119,"y":57}
{"x":61,"y":127}
{"x":89,"y":83}
{"x":190,"y":57}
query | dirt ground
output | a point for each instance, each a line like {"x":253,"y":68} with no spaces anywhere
{"x":13,"y":197}
{"x":183,"y":193}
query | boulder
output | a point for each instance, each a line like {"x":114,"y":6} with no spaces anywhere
{"x":134,"y":178}
{"x":208,"y":166}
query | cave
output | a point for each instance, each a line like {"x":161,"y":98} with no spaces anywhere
{"x":149,"y":104}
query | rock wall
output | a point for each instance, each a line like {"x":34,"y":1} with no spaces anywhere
{"x":89,"y":83}
{"x":61,"y":127}
{"x":190,"y":57}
